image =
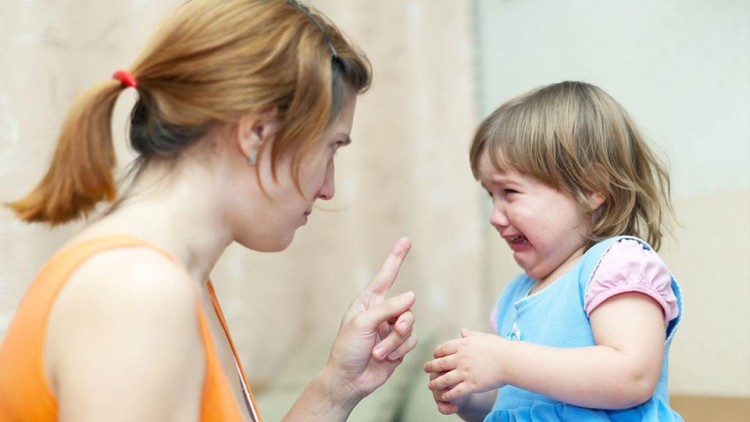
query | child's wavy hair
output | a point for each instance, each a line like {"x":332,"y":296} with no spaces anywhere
{"x":577,"y":139}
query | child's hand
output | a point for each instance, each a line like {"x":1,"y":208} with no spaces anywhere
{"x":471,"y":364}
{"x":446,"y":407}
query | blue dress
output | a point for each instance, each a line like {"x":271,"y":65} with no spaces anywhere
{"x":556,"y":317}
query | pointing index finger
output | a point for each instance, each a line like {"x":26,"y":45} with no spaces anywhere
{"x":387,"y":274}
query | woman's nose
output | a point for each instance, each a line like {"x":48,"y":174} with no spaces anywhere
{"x":328,"y":188}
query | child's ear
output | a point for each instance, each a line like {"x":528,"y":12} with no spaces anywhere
{"x":597,"y":196}
{"x":595,"y":199}
{"x":254,"y":129}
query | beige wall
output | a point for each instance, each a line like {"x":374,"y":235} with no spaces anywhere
{"x":50,"y":52}
{"x":711,"y":256}
{"x":406,"y":174}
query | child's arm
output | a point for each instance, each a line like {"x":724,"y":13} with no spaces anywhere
{"x":620,"y":371}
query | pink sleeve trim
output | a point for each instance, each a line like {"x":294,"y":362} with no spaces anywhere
{"x":629,"y":268}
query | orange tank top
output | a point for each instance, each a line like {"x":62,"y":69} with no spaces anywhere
{"x":25,"y":394}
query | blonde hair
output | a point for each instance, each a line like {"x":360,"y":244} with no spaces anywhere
{"x":577,"y":139}
{"x":211,"y":62}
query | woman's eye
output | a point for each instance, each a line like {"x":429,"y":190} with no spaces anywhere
{"x":509,"y":191}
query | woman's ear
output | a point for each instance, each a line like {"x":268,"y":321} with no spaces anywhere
{"x":254,"y":130}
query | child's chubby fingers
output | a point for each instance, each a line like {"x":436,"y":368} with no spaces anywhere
{"x":456,"y":392}
{"x":443,"y":364}
{"x":448,"y":348}
{"x":446,"y":408}
{"x":445,"y":381}
{"x":471,"y":333}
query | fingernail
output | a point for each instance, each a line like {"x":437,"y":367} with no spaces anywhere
{"x":378,"y":352}
{"x":404,"y":326}
{"x":393,"y":356}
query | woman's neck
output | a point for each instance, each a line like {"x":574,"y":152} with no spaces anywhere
{"x":180,"y":212}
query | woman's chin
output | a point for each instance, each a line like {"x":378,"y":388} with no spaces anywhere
{"x":269,"y":246}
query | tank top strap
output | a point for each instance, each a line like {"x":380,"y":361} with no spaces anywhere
{"x":74,"y":255}
{"x":247,"y":392}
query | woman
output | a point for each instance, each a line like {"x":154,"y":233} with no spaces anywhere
{"x":242,"y":106}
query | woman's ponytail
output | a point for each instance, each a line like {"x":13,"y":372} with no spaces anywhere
{"x":80,"y":175}
{"x":211,"y":63}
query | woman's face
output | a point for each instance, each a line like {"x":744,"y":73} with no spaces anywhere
{"x":272,"y":219}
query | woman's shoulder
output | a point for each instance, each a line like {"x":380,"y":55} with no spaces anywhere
{"x":103,"y":259}
{"x":132,"y":267}
{"x":126,"y":317}
{"x":125,"y":285}
{"x":133,"y":277}
{"x":132,"y":294}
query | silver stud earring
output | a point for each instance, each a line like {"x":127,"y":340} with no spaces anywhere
{"x":252,"y":159}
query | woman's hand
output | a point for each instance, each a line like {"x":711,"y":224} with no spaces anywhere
{"x":374,"y":336}
{"x":375,"y":332}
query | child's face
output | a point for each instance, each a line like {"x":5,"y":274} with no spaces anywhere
{"x":544,"y":227}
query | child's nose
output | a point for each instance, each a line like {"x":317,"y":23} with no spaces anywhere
{"x":498,"y":218}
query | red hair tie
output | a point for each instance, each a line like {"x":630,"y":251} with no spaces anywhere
{"x":126,"y":78}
